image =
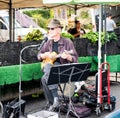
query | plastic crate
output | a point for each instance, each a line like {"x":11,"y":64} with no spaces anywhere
{"x":43,"y":114}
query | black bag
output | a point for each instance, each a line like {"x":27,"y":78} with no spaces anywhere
{"x":82,"y":111}
{"x":11,"y":110}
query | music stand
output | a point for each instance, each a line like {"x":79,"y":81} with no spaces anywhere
{"x":72,"y":72}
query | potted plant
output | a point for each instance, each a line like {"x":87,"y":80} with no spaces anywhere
{"x":105,"y":37}
{"x":35,"y":35}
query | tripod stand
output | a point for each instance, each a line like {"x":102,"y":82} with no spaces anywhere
{"x":67,"y":73}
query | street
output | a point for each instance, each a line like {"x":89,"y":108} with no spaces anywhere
{"x":36,"y":102}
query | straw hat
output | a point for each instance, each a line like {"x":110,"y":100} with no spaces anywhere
{"x":54,"y":23}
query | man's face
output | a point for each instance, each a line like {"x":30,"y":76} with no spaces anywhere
{"x":78,"y":25}
{"x":53,"y":32}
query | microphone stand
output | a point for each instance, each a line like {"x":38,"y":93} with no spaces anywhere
{"x":1,"y":106}
{"x":20,"y":72}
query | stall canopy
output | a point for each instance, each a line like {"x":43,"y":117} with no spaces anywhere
{"x":6,"y":4}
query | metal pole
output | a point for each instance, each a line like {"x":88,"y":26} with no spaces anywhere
{"x":99,"y":56}
{"x":13,"y":32}
{"x":105,"y":46}
{"x":10,"y":20}
{"x":75,"y":12}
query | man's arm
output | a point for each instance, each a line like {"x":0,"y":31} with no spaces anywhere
{"x":114,"y":24}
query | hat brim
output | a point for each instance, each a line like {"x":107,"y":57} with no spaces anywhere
{"x":54,"y":26}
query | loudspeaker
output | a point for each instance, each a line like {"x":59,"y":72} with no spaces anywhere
{"x":12,"y":109}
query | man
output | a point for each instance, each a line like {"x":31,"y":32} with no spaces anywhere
{"x":110,"y":24}
{"x":77,"y":31}
{"x":58,"y":45}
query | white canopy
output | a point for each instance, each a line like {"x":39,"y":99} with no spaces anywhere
{"x":7,"y":4}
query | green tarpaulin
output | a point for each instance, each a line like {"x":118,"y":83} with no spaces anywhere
{"x":11,"y":74}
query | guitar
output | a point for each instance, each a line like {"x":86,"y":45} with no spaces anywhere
{"x":51,"y":60}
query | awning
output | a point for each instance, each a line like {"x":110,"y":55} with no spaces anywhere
{"x":4,"y":4}
{"x":76,"y":4}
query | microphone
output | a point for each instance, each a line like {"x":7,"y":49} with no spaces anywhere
{"x":43,"y":42}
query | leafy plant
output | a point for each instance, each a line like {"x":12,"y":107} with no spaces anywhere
{"x":42,"y":22}
{"x":88,"y":26}
{"x":67,"y":35}
{"x":84,"y":14}
{"x":35,"y":35}
{"x":94,"y":36}
{"x":45,"y":13}
{"x":111,"y":36}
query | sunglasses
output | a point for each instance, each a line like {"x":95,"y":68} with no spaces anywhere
{"x":51,"y":28}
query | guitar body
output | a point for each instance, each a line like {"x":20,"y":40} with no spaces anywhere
{"x":46,"y":61}
{"x":49,"y":60}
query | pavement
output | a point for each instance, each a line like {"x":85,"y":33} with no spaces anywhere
{"x":36,"y":102}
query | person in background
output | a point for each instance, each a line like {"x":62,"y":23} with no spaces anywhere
{"x":77,"y":31}
{"x":59,"y":45}
{"x":19,"y":38}
{"x":110,"y":24}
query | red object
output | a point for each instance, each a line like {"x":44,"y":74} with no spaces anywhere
{"x":108,"y":81}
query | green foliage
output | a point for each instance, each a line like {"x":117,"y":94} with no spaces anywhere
{"x":88,"y":26}
{"x":111,"y":36}
{"x":51,"y":13}
{"x":93,"y":37}
{"x":45,"y":13}
{"x":42,"y":22}
{"x":35,"y":35}
{"x":41,"y":16}
{"x":28,"y":13}
{"x":84,"y":14}
{"x":118,"y":24}
{"x":67,"y":35}
{"x":71,"y":11}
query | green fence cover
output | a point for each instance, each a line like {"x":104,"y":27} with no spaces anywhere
{"x":11,"y":74}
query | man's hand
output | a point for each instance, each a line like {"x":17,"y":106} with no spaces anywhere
{"x":45,"y":55}
{"x":66,"y":55}
{"x":49,"y":55}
